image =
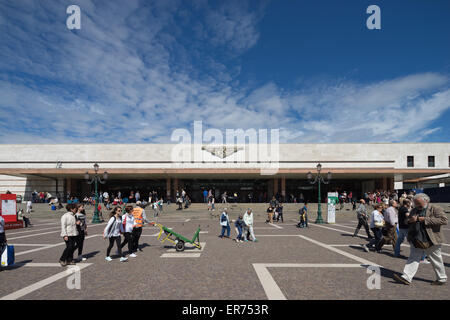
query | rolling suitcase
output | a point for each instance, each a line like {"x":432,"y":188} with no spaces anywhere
{"x":7,"y":257}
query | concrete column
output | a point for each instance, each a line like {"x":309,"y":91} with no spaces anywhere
{"x":270,"y":189}
{"x":283,"y":186}
{"x":69,"y":185}
{"x":275,"y":186}
{"x":175,"y":186}
{"x":168,"y":193}
{"x":384,"y":185}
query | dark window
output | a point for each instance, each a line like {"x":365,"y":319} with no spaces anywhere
{"x":410,"y":160}
{"x":431,"y":161}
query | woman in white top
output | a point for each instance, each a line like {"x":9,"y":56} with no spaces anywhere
{"x":128,"y":224}
{"x":376,"y":225}
{"x":112,"y":231}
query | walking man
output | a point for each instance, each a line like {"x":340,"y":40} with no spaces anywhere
{"x":225,"y":223}
{"x":425,"y":236}
{"x":139,"y":219}
{"x":403,"y":226}
{"x":248,"y":220}
{"x":391,"y":223}
{"x":361,"y":214}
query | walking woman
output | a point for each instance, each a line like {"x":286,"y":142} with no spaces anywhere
{"x":376,"y":225}
{"x":112,"y":231}
{"x":82,"y":230}
{"x":69,"y":233}
{"x":128,"y":224}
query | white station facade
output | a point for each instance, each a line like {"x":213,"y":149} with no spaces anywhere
{"x":257,"y":169}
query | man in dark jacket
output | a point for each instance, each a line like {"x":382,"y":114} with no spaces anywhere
{"x":363,"y":217}
{"x":425,"y":237}
{"x":403,"y":226}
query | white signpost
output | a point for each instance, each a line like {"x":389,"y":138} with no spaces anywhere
{"x":332,"y":201}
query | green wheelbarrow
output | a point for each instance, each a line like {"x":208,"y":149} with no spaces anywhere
{"x":166,"y":234}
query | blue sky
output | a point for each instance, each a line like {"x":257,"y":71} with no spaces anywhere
{"x":137,"y":71}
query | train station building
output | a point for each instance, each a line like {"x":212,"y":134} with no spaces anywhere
{"x":244,"y":169}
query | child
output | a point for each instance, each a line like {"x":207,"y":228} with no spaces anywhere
{"x":155,"y":209}
{"x":303,"y":216}
{"x":269,"y":215}
{"x":100,"y":214}
{"x":280,"y":212}
{"x":209,"y":204}
{"x":239,"y":224}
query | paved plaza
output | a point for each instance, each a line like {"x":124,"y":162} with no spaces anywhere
{"x":320,"y":262}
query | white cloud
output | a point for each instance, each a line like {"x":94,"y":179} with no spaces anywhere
{"x":130,"y":76}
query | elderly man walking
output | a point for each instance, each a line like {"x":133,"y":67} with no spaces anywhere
{"x":363,"y":217}
{"x":391,"y":220}
{"x":425,"y":237}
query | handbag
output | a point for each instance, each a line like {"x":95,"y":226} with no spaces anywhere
{"x":7,"y":256}
{"x":379,"y":224}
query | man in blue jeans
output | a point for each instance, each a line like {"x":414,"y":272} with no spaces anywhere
{"x":205,"y":196}
{"x":303,"y":216}
{"x":225,"y":223}
{"x":403,"y":226}
{"x":239,"y":224}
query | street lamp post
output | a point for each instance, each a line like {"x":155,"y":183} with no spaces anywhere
{"x":96,"y":179}
{"x":318,"y":179}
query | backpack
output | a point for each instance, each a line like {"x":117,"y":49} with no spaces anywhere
{"x":420,"y":238}
{"x":111,"y":227}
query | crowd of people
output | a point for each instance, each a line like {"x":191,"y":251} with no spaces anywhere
{"x":393,"y":219}
{"x":243,"y":226}
{"x":412,"y":217}
{"x":129,"y":224}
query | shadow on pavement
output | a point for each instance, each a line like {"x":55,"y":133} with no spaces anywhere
{"x":91,"y":254}
{"x":16,"y":265}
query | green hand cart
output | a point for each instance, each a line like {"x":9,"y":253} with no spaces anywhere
{"x":177,"y":239}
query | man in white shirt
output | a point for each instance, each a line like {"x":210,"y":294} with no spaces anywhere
{"x":391,"y":220}
{"x":29,"y":206}
{"x":248,"y":220}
